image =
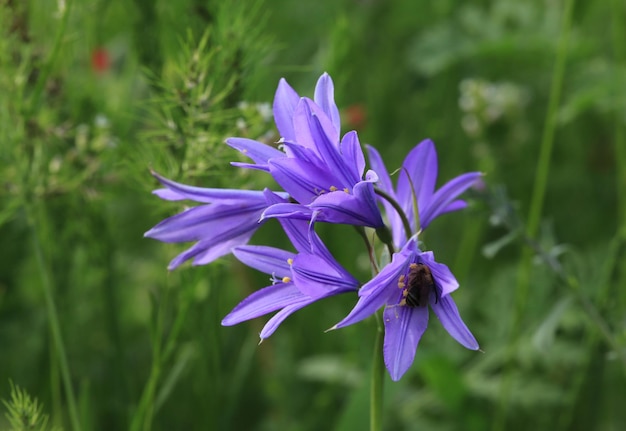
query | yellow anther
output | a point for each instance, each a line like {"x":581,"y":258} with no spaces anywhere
{"x":333,"y":189}
{"x":286,"y":279}
{"x":413,"y":266}
{"x":401,"y":285}
{"x":346,"y":190}
{"x":290,"y":261}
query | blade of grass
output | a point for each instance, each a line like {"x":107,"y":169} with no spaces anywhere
{"x":536,"y":206}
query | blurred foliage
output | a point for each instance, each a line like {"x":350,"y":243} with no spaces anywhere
{"x":95,"y":93}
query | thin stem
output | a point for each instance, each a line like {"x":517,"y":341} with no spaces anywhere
{"x":142,"y":419}
{"x":55,"y":327}
{"x":64,"y":9}
{"x":377,"y":380}
{"x":619,"y":50}
{"x":398,"y":208}
{"x":368,"y":245}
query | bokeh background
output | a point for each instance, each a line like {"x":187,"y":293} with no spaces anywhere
{"x":94,"y":93}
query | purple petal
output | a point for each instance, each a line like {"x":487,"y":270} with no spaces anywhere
{"x":279,"y":317}
{"x":269,"y":260}
{"x":448,"y":314}
{"x":169,"y":195}
{"x":300,"y":212}
{"x":261,"y":302}
{"x":311,"y":125}
{"x":264,"y":168}
{"x":353,"y":155}
{"x":446,"y":195}
{"x":316,"y":278}
{"x":205,"y":251}
{"x":204,"y":195}
{"x":395,"y":222}
{"x":357,"y":209}
{"x":404,"y":326}
{"x":379,"y":290}
{"x":259,"y":152}
{"x":285,"y":102}
{"x":325,"y":99}
{"x":319,"y":248}
{"x":454,"y":206}
{"x":206,"y":221}
{"x":419,"y":169}
{"x":378,"y":166}
{"x":441,"y":273}
{"x":302,"y":180}
{"x":326,"y":145}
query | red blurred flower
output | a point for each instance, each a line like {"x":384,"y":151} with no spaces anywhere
{"x":100,"y":60}
{"x":356,"y":116}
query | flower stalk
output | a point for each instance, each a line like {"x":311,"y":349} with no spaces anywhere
{"x":377,"y":380}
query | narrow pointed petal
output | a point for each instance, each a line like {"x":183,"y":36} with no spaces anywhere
{"x":404,"y":327}
{"x":259,"y":152}
{"x":316,"y":278}
{"x":205,"y":195}
{"x":318,"y":248}
{"x":378,"y":166}
{"x":441,"y":273}
{"x":296,"y":229}
{"x":325,"y":99}
{"x":169,"y":195}
{"x":352,"y":154}
{"x":345,"y":208}
{"x":302,"y":180}
{"x":279,"y":317}
{"x":285,"y":102}
{"x":454,"y":206}
{"x":445,"y":309}
{"x":205,"y":221}
{"x":385,"y":184}
{"x":419,"y":173}
{"x":297,"y":211}
{"x":261,"y":302}
{"x":446,"y":195}
{"x":327,"y":146}
{"x":269,"y":260}
{"x":264,"y":168}
{"x":207,"y":251}
{"x":311,"y":125}
{"x":378,"y":291}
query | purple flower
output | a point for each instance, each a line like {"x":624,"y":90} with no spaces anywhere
{"x":322,"y":173}
{"x":227,"y":219}
{"x":416,"y":184}
{"x":406,"y":286}
{"x":298,"y":279}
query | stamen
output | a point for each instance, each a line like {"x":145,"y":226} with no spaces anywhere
{"x":290,"y":261}
{"x":346,"y":190}
{"x":333,"y":189}
{"x":286,"y":279}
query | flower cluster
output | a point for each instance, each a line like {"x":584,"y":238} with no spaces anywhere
{"x":323,"y":178}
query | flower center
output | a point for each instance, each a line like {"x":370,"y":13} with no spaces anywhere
{"x":417,"y":286}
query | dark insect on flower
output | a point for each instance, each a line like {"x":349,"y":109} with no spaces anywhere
{"x":419,"y":285}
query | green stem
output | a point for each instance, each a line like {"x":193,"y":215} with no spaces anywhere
{"x":55,"y":327}
{"x":376,"y":388}
{"x":619,"y":50}
{"x":536,"y":206}
{"x":47,"y":67}
{"x":398,"y":208}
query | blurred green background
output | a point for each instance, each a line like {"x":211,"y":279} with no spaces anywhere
{"x":94,"y":93}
